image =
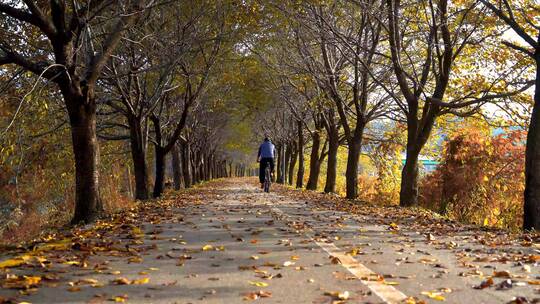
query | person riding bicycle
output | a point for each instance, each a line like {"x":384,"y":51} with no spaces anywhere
{"x":267,"y":150}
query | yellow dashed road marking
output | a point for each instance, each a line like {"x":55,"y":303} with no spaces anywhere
{"x":387,"y":293}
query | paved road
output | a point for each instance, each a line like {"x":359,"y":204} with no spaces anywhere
{"x":243,"y":244}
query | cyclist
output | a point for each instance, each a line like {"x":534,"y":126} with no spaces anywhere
{"x":267,"y":150}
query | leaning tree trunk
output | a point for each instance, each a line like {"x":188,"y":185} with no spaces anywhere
{"x":314,"y":163}
{"x":138,"y":155}
{"x":177,"y":168}
{"x":82,"y":117}
{"x":408,"y":195}
{"x":331,"y":171}
{"x":531,"y":208}
{"x":159,"y":183}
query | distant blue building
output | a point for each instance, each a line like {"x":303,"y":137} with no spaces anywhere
{"x":426,"y":164}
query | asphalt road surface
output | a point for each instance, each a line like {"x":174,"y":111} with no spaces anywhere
{"x":245,"y":246}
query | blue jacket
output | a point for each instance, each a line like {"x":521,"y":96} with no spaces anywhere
{"x":267,"y":150}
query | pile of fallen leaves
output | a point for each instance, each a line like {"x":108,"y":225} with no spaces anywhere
{"x":415,"y":218}
{"x":41,"y":262}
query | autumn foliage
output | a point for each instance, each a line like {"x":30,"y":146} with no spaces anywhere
{"x":480,"y":179}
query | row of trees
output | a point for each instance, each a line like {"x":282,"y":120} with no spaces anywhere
{"x":145,"y":72}
{"x":193,"y":79}
{"x":340,"y":66}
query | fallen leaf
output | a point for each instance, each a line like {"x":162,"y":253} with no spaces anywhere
{"x":264,"y":294}
{"x":434,"y":295}
{"x":338,"y":295}
{"x":501,"y":274}
{"x":485,"y":284}
{"x":506,"y":284}
{"x":519,"y":300}
{"x":119,"y":299}
{"x":258,"y":284}
{"x":121,"y":281}
{"x":12,"y":262}
{"x":207,"y":247}
{"x":335,"y":260}
{"x":353,"y":252}
{"x":257,"y":295}
{"x":393,"y":226}
{"x":24,"y":282}
{"x":135,"y":259}
{"x":140,"y":281}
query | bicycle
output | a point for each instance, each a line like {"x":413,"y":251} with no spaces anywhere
{"x":267,"y":178}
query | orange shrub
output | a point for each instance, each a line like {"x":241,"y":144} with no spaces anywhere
{"x":480,"y":179}
{"x":367,"y":187}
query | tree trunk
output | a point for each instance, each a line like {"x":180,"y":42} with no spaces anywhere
{"x":186,"y":166}
{"x":177,"y":168}
{"x":300,"y":174}
{"x":314,"y":163}
{"x":195,"y":167}
{"x":82,"y":117}
{"x":531,"y":207}
{"x":292,"y":164}
{"x":159,"y":183}
{"x":197,"y":164}
{"x":287,"y":160}
{"x":351,"y":174}
{"x":204,"y":168}
{"x":331,"y":171}
{"x":214,"y":169}
{"x":408,"y":195}
{"x":138,"y":155}
{"x":208,"y":168}
{"x":279,"y":167}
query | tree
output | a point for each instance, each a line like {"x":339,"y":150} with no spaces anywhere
{"x":424,"y":66}
{"x":200,"y":40}
{"x":136,"y":79}
{"x":69,"y":55}
{"x":340,"y":43}
{"x":520,"y":18}
{"x":143,"y":72}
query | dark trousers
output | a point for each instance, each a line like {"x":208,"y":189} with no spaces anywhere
{"x":264,"y":161}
